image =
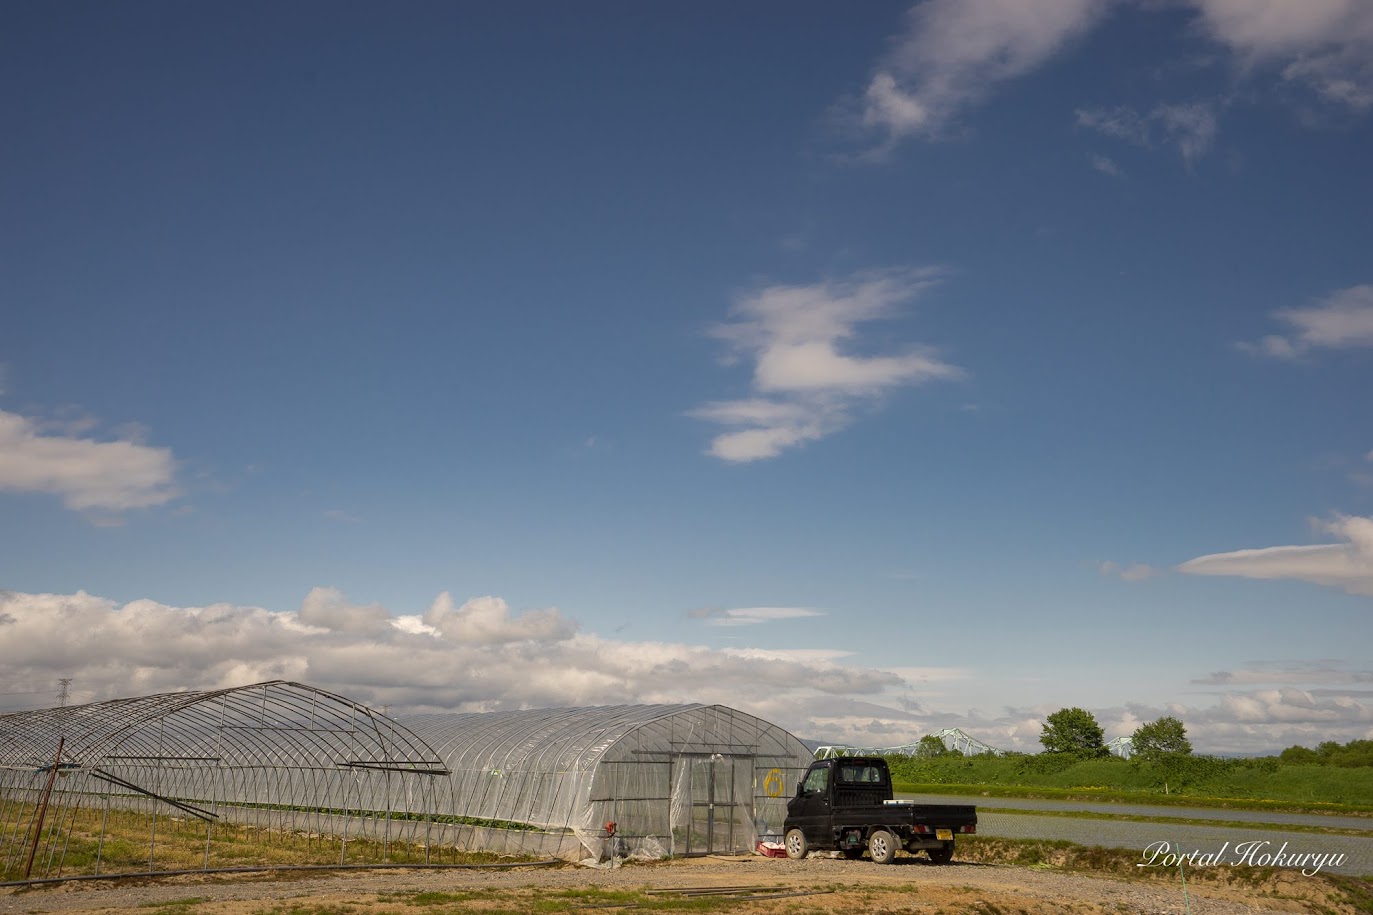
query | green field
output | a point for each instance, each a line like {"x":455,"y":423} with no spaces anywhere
{"x":1265,"y":783}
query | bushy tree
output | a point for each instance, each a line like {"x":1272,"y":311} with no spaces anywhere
{"x":1297,"y":755}
{"x":1073,"y":730}
{"x":1162,"y":738}
{"x":1329,"y":753}
{"x":931,"y":745}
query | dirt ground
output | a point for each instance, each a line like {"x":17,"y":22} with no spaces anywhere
{"x":815,"y":885}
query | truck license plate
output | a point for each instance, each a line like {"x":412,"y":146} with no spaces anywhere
{"x":944,"y":835}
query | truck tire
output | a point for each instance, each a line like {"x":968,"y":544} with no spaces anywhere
{"x":882,"y":845}
{"x":797,"y":846}
{"x":941,"y":855}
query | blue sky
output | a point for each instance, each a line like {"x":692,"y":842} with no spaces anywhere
{"x":875,"y":368}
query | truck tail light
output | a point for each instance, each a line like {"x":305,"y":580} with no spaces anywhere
{"x":921,"y":830}
{"x":971,"y":827}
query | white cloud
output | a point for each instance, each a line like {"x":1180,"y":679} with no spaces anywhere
{"x":327,"y":608}
{"x":1191,"y":127}
{"x":1106,"y":166}
{"x":953,"y":52}
{"x":487,"y":621}
{"x":1326,"y":45}
{"x":752,"y":616}
{"x":88,"y":475}
{"x":1135,"y":571}
{"x":1347,"y":565}
{"x":1343,"y":320}
{"x":1121,"y":123}
{"x":804,"y":384}
{"x":469,"y":657}
{"x":1300,"y":674}
{"x":487,"y":658}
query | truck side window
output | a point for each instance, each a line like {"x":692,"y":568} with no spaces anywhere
{"x":816,"y":781}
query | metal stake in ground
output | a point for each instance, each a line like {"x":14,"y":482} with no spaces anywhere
{"x":43,"y":808}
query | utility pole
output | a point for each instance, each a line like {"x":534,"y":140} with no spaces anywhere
{"x":62,"y":693}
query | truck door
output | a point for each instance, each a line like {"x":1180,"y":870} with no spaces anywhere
{"x":810,"y":809}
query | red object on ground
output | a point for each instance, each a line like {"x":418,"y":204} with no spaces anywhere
{"x":772,"y":849}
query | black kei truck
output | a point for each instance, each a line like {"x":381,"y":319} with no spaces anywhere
{"x":846,"y":804}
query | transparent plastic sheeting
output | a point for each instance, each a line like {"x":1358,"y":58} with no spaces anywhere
{"x":674,"y":779}
{"x":176,"y":781}
{"x":281,"y":772}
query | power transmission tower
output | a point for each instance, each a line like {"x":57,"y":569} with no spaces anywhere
{"x":62,"y":693}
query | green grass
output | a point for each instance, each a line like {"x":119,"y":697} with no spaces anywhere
{"x":76,"y":842}
{"x":1264,"y":784}
{"x":1353,"y":892}
{"x":513,"y":901}
{"x":172,"y":905}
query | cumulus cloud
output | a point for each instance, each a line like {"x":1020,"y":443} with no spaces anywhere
{"x":954,"y":52}
{"x":1191,"y":127}
{"x":474,"y":656}
{"x":487,"y":621}
{"x":89,"y":475}
{"x":327,"y":608}
{"x":1343,"y":320}
{"x":1347,"y":565}
{"x":488,"y":658}
{"x":805,"y":381}
{"x":1325,"y":45}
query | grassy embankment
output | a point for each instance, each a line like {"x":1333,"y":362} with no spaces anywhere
{"x":1199,"y":781}
{"x":89,"y":841}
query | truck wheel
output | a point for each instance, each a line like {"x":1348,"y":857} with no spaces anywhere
{"x":797,"y":846}
{"x":941,"y":855}
{"x":882,"y":845}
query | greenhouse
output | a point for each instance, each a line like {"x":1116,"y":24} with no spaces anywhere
{"x":271,"y":773}
{"x":283,"y":774}
{"x":639,"y":780}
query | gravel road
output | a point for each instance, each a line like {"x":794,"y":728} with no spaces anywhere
{"x":1185,"y":813}
{"x":825,"y":884}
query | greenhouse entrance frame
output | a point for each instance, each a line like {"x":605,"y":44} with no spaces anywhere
{"x":720,"y":800}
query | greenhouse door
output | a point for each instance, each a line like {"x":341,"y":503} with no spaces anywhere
{"x":721,"y":820}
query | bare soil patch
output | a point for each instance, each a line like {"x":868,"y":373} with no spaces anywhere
{"x":818,"y":884}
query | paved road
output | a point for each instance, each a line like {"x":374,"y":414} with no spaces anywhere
{"x":1188,"y":813}
{"x":1201,"y":837}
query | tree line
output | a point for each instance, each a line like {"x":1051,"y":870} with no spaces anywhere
{"x":1075,"y":732}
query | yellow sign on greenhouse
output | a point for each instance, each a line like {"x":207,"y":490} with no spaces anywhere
{"x":772,"y":785}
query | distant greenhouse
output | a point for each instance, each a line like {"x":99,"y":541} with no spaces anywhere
{"x":673,"y":779}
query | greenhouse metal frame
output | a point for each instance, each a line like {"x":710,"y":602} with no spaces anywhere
{"x":637,"y":780}
{"x":198,"y":780}
{"x":284,"y":774}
